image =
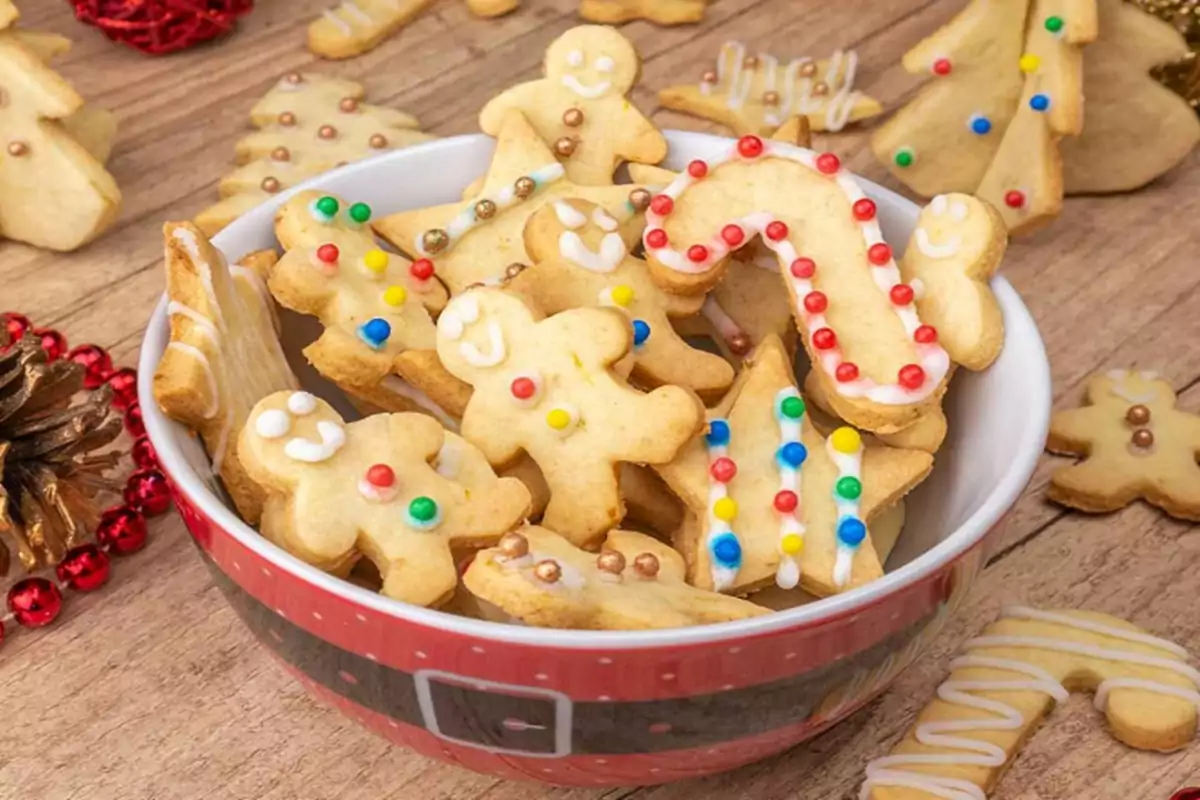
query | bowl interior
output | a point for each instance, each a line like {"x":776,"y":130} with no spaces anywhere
{"x":998,"y":418}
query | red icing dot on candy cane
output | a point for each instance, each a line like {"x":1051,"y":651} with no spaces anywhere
{"x":879,"y":254}
{"x":662,"y":205}
{"x":750,"y":147}
{"x":912,"y":377}
{"x":846,"y":372}
{"x":1014,"y":199}
{"x":697,"y":169}
{"x":777,"y":231}
{"x":901,"y":294}
{"x":723,"y":469}
{"x":942,"y":67}
{"x":804,"y":268}
{"x":828,"y":163}
{"x":733,"y":235}
{"x":824,"y":339}
{"x":864,"y":210}
{"x":925,"y":334}
{"x":697,"y":253}
{"x":786,"y":501}
{"x":815,"y":302}
{"x":657,"y":238}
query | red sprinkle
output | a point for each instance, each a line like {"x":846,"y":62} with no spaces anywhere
{"x":421,"y":269}
{"x":879,"y":254}
{"x":824,"y":339}
{"x":733,"y":235}
{"x":925,"y":334}
{"x":942,"y":67}
{"x":662,"y":205}
{"x":328,"y":253}
{"x":828,"y":163}
{"x":697,"y":254}
{"x":1014,"y":199}
{"x":912,"y":377}
{"x":901,"y":294}
{"x":864,"y":210}
{"x":750,"y":146}
{"x":656,"y":238}
{"x":846,"y":372}
{"x":698,"y":169}
{"x":803,"y":268}
{"x":815,"y":302}
{"x":381,"y":475}
{"x":523,"y":388}
{"x":723,"y":469}
{"x":786,"y":501}
{"x":777,"y":231}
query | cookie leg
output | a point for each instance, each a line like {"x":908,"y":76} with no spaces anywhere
{"x":1093,"y":486}
{"x":415,"y":569}
{"x":1178,"y":495}
{"x":584,"y":503}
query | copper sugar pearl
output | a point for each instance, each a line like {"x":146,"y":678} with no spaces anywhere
{"x":709,"y":76}
{"x":565,"y":147}
{"x":281,"y":154}
{"x":524,"y":187}
{"x":270,"y":185}
{"x":485,"y":209}
{"x":513,"y":270}
{"x":611,"y":561}
{"x":327,"y":132}
{"x":378,"y":141}
{"x":287,"y":119}
{"x":548,"y":571}
{"x":18,"y":149}
{"x":513,"y":545}
{"x":1143,"y":438}
{"x":573,"y":117}
{"x":1137,"y":415}
{"x":348,"y":105}
{"x":294,"y":78}
{"x":740,"y":344}
{"x":639,"y":199}
{"x":435,"y":241}
{"x":646,"y":565}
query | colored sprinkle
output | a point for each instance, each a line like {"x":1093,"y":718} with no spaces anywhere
{"x":395,"y":296}
{"x":851,"y":531}
{"x":727,"y":550}
{"x":641,"y":332}
{"x":622,"y":295}
{"x":328,"y":206}
{"x":981,"y":124}
{"x":1054,"y":24}
{"x":381,"y":475}
{"x":558,"y":418}
{"x":793,"y":454}
{"x":423,"y":509}
{"x":1039,"y":102}
{"x":1029,"y":63}
{"x":375,"y":332}
{"x":792,"y":407}
{"x":846,"y":440}
{"x":523,"y":388}
{"x":725,"y":509}
{"x":376,"y":260}
{"x":718,"y":433}
{"x":849,"y":487}
{"x":360,"y":212}
{"x":792,"y":544}
{"x":905,"y":157}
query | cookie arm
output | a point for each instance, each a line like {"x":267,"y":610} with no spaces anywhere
{"x":643,"y":141}
{"x":1073,"y":431}
{"x":491,"y":118}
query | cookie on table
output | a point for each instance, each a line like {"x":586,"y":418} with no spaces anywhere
{"x":224,"y":353}
{"x":634,"y":583}
{"x":354,"y":27}
{"x":581,"y":107}
{"x":1012,"y":676}
{"x":1134,"y":443}
{"x":375,"y":489}
{"x":544,"y":387}
{"x":660,"y":12}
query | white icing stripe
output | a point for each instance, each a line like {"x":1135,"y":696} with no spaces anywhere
{"x":353,"y":10}
{"x":202,"y":322}
{"x":724,"y":323}
{"x":449,"y":459}
{"x":612,"y":252}
{"x":1135,"y":398}
{"x":787,"y":576}
{"x":214,"y":396}
{"x":849,"y":465}
{"x":604,"y":221}
{"x":722,"y":577}
{"x":338,"y":22}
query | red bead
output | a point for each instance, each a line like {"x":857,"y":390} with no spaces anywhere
{"x":901,"y":294}
{"x":1188,"y":793}
{"x":421,"y":269}
{"x":1014,"y":199}
{"x":96,"y":363}
{"x":15,"y":325}
{"x":723,"y":469}
{"x":523,"y":388}
{"x":879,"y":254}
{"x":697,"y":254}
{"x":750,"y":146}
{"x":815,"y":302}
{"x":925,"y":334}
{"x":912,"y":377}
{"x":134,"y":422}
{"x":53,"y":342}
{"x":148,"y":491}
{"x":733,"y":235}
{"x":786,"y":501}
{"x":121,"y":530}
{"x":824,"y":339}
{"x":381,"y":475}
{"x":698,"y":169}
{"x":161,"y":27}
{"x":662,"y":205}
{"x":803,"y":268}
{"x":124,"y":386}
{"x":84,"y":568}
{"x":828,"y":163}
{"x":144,"y":454}
{"x":942,"y":67}
{"x":846,"y":372}
{"x":34,"y":602}
{"x":864,"y":210}
{"x":328,"y":253}
{"x":777,"y":231}
{"x":656,"y":238}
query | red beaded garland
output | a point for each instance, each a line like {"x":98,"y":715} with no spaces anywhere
{"x":879,"y":254}
{"x":381,"y":475}
{"x":803,"y":268}
{"x":1014,"y":199}
{"x":777,"y":231}
{"x":864,"y":210}
{"x":657,"y":238}
{"x":912,"y":377}
{"x":53,"y":342}
{"x":925,"y":334}
{"x":523,"y":388}
{"x":421,"y":269}
{"x":846,"y":372}
{"x":662,"y":204}
{"x":143,"y":453}
{"x":34,"y":602}
{"x":824,"y":339}
{"x":156,"y":27}
{"x":901,"y":294}
{"x":124,"y":386}
{"x":815,"y":302}
{"x":942,"y":67}
{"x":750,"y":146}
{"x":786,"y":501}
{"x":697,"y":254}
{"x":97,"y":364}
{"x":84,"y":568}
{"x":698,"y":169}
{"x":121,"y":530}
{"x":133,"y":420}
{"x":723,"y":469}
{"x":733,"y":235}
{"x":148,"y":491}
{"x":828,"y":163}
{"x":15,"y":325}
{"x":328,"y":253}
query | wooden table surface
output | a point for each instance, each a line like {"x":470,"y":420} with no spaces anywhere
{"x":153,"y":689}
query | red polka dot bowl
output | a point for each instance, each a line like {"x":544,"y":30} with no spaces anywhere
{"x":611,"y":708}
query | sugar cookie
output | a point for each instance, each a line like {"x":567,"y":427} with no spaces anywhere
{"x":660,"y":12}
{"x":354,"y":27}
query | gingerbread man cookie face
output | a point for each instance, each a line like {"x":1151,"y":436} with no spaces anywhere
{"x":370,"y":488}
{"x":593,"y":61}
{"x":580,"y":260}
{"x":545,"y":387}
{"x":634,"y":583}
{"x":1134,"y":443}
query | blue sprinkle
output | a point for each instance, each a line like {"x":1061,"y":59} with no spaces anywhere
{"x":376,"y":332}
{"x":792,"y":454}
{"x":641,"y":332}
{"x":718,"y":433}
{"x":851,"y":531}
{"x":727,"y":550}
{"x":981,"y":124}
{"x":1039,"y":102}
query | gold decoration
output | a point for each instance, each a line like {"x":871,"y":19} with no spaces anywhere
{"x":50,"y":469}
{"x":1183,"y":76}
{"x":513,"y":270}
{"x":485,"y":209}
{"x":548,"y":571}
{"x":514,"y":545}
{"x":611,"y":561}
{"x":525,"y":187}
{"x":646,"y":565}
{"x":434,"y":241}
{"x":639,"y":199}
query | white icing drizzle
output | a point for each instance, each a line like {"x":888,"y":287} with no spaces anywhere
{"x":999,"y":716}
{"x":569,"y":216}
{"x":202,"y":322}
{"x":849,"y":465}
{"x":722,"y":576}
{"x":398,"y":386}
{"x":351,"y":8}
{"x":214,"y":395}
{"x":332,"y":438}
{"x":301,"y":403}
{"x":612,"y":252}
{"x":585,"y":91}
{"x":449,"y":459}
{"x":725,"y":324}
{"x":338,"y":22}
{"x":787,"y":575}
{"x":604,"y":221}
{"x":932,"y":358}
{"x":273,"y":424}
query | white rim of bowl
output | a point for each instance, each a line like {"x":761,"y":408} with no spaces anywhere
{"x":990,"y":511}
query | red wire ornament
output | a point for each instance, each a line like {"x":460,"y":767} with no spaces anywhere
{"x":157,"y":27}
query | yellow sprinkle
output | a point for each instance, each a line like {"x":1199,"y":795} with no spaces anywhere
{"x":376,"y":260}
{"x":1029,"y":62}
{"x":846,"y":440}
{"x":395,"y":296}
{"x":792,"y":544}
{"x":558,"y":419}
{"x":725,"y":509}
{"x":622,"y":295}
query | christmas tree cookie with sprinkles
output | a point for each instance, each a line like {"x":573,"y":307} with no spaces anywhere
{"x":772,"y":502}
{"x":224,"y":354}
{"x":474,"y":241}
{"x":635,"y":582}
{"x":376,"y":488}
{"x":545,"y":387}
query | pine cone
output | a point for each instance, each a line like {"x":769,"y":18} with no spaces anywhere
{"x":51,"y":470}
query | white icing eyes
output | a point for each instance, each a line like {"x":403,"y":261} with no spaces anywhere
{"x":273,"y":424}
{"x":575,"y":58}
{"x":302,"y":403}
{"x":604,"y":221}
{"x":567,"y":214}
{"x":604,"y":64}
{"x":455,"y":319}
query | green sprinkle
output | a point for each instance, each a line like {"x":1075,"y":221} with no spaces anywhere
{"x":849,"y":488}
{"x":792,"y":407}
{"x":423,"y":509}
{"x":905,"y":157}
{"x":360,"y":212}
{"x":1054,"y":24}
{"x":328,"y":206}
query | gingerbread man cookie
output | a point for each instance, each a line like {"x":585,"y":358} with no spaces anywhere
{"x":224,"y":355}
{"x":354,"y":27}
{"x":773,"y":501}
{"x":582,"y":108}
{"x":660,"y":12}
{"x":580,"y":260}
{"x":1134,"y":443}
{"x":545,"y":387}
{"x":370,"y":488}
{"x":1012,"y":676}
{"x":634,"y":583}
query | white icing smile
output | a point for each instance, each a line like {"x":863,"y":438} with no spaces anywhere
{"x":612,"y":252}
{"x":332,"y":438}
{"x":588,"y":92}
{"x":947,"y":249}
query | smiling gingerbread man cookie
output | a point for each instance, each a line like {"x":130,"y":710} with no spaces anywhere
{"x":1134,"y":443}
{"x":582,"y":109}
